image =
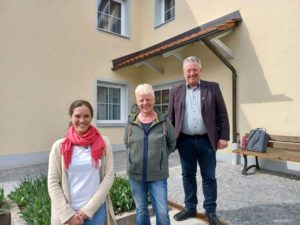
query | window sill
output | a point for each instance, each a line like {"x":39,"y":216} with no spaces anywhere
{"x":110,"y":125}
{"x":159,"y":25}
{"x":110,"y":32}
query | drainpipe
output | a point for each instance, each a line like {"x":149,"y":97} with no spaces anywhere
{"x":214,"y":49}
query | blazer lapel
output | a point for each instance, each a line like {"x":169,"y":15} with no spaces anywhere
{"x":182,"y":96}
{"x":204,"y":90}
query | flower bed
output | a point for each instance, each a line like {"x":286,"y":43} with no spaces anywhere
{"x":33,"y":199}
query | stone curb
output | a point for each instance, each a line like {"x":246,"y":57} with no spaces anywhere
{"x":15,"y":214}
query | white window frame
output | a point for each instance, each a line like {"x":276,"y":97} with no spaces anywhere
{"x":160,"y":13}
{"x":166,"y":86}
{"x":125,"y":5}
{"x":161,"y":104}
{"x":123,"y":103}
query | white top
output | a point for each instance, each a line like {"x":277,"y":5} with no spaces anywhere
{"x":83,"y":177}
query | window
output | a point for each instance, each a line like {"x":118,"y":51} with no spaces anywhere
{"x":161,"y":93}
{"x":164,"y":11}
{"x":113,"y":16}
{"x":112,"y":103}
{"x":161,"y":100}
{"x":169,"y":10}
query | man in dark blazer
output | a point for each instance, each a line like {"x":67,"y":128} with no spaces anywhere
{"x":198,"y":113}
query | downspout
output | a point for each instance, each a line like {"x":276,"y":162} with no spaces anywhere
{"x":214,"y":49}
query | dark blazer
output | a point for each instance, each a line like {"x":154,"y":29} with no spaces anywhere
{"x":213,"y":110}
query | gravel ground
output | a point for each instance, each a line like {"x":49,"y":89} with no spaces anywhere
{"x":261,"y":198}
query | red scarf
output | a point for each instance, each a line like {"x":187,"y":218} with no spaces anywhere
{"x":91,"y":138}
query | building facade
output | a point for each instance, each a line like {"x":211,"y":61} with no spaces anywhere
{"x":54,"y":52}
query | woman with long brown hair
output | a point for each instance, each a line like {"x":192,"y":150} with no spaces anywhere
{"x":81,"y":172}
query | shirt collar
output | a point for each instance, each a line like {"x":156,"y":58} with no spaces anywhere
{"x":188,"y":86}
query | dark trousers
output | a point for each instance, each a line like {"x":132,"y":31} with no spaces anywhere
{"x":193,"y":149}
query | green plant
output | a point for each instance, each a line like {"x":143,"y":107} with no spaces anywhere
{"x":4,"y":206}
{"x":33,"y":199}
{"x":121,"y":195}
{"x":4,"y":209}
{"x":1,"y":196}
{"x":3,"y":203}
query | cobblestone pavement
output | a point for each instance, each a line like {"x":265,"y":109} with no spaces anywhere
{"x":262,"y":198}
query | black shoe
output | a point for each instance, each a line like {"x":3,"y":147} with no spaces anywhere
{"x":184,"y":214}
{"x":213,"y":219}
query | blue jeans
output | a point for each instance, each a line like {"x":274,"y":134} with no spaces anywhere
{"x":193,"y":149}
{"x":98,"y":218}
{"x":159,"y":198}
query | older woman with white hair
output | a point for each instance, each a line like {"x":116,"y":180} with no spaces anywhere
{"x":149,"y":138}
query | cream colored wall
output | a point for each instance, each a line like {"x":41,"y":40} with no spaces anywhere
{"x":268,"y":54}
{"x":51,"y":54}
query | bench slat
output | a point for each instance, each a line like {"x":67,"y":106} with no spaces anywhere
{"x":282,"y":138}
{"x":284,"y":145}
{"x":283,"y":152}
{"x":273,"y":153}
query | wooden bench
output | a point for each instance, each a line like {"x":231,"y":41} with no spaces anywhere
{"x":284,"y":148}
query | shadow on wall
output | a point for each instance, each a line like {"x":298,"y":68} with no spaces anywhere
{"x":267,"y":214}
{"x":253,"y":81}
{"x":252,"y":85}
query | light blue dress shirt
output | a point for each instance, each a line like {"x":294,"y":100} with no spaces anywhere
{"x":193,"y":123}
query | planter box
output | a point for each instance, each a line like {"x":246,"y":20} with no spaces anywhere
{"x":5,"y":218}
{"x":128,"y":218}
{"x":15,"y":217}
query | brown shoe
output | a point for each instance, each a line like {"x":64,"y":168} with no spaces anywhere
{"x":184,"y":214}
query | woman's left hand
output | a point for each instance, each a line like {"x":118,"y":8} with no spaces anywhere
{"x":84,"y":216}
{"x":76,"y":219}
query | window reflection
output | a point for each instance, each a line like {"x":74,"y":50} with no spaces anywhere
{"x":109,"y":16}
{"x":161,"y":100}
{"x":109,"y":103}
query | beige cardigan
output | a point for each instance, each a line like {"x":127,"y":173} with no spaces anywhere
{"x":61,"y":210}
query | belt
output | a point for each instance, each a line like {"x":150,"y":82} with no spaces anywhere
{"x":194,"y":136}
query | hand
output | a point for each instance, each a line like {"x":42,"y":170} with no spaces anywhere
{"x":76,"y":219}
{"x":84,"y":216}
{"x":222,"y":144}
